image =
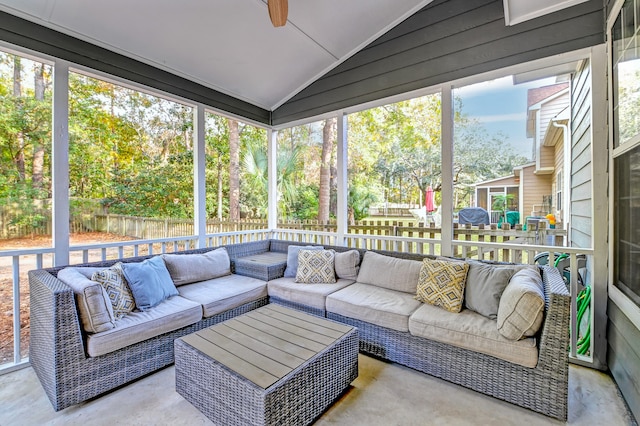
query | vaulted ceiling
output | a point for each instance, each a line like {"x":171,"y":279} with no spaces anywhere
{"x":231,"y":45}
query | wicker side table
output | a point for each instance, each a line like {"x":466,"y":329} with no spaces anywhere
{"x":264,"y":266}
{"x":270,"y":366}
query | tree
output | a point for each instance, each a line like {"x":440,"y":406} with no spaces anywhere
{"x":287,"y":165}
{"x":328,"y":142}
{"x":37,"y":173}
{"x":234,"y":170}
{"x":17,"y":93}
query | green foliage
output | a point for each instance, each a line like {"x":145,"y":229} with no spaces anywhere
{"x":305,"y":205}
{"x":134,"y":153}
{"x":359,"y":200}
{"x":501,"y":203}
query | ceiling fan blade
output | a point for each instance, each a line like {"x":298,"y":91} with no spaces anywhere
{"x":278,"y":11}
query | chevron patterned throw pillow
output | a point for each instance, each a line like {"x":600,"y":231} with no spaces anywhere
{"x":115,"y":284}
{"x":441,"y":283}
{"x":316,"y":266}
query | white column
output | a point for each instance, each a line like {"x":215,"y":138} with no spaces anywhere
{"x":60,"y":163}
{"x":600,"y":203}
{"x":199,"y":187}
{"x":343,"y":184}
{"x":272,"y":180}
{"x":447,"y":170}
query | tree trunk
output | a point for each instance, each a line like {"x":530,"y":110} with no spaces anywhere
{"x":328,"y":136}
{"x":38,"y":149}
{"x":17,"y":92}
{"x":234,"y":170}
{"x":219,"y":188}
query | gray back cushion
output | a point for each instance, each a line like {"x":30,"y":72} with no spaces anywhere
{"x":347,"y":264}
{"x":191,"y":268}
{"x":485,"y":284}
{"x":389,"y":272}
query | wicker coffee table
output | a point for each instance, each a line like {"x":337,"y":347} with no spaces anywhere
{"x":270,"y":366}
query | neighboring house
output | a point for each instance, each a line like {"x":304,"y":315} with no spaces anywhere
{"x":539,"y":187}
{"x":548,"y":113}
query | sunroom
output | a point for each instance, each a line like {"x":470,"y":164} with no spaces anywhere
{"x":126,"y":132}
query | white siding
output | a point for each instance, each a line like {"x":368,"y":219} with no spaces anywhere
{"x":581,"y":214}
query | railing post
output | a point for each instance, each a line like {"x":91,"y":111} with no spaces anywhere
{"x":199,"y":194}
{"x":272,"y":179}
{"x":447,"y":169}
{"x":16,"y":310}
{"x":60,"y":163}
{"x":343,"y":186}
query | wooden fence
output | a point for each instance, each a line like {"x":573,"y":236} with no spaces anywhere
{"x":153,"y":228}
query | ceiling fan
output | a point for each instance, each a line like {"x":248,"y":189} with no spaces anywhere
{"x":278,"y":11}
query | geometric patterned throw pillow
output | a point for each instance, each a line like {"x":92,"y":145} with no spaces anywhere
{"x":316,"y":266}
{"x":117,"y":289}
{"x":441,"y":283}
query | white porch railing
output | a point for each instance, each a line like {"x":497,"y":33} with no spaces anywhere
{"x":24,"y":260}
{"x":21,"y":261}
{"x":515,"y":252}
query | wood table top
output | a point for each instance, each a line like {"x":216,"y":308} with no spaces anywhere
{"x":266,"y":344}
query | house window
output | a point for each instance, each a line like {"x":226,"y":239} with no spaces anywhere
{"x":625,"y":74}
{"x":559,"y":191}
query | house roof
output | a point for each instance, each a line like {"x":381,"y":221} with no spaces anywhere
{"x":494,"y":182}
{"x":537,"y":97}
{"x":539,"y":94}
{"x":231,"y":46}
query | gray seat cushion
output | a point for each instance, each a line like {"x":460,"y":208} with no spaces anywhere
{"x":171,"y":314}
{"x":470,"y":330}
{"x":313,"y":295}
{"x":224,"y":293}
{"x":377,"y":305}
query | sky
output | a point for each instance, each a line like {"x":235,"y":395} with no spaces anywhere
{"x":501,"y":106}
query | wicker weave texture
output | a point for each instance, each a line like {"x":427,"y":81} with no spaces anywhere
{"x":68,"y":376}
{"x":543,"y":389}
{"x":258,"y":270}
{"x":297,"y":399}
{"x":57,"y":354}
{"x":298,"y":306}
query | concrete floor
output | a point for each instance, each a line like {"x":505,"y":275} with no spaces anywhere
{"x":383,"y":394}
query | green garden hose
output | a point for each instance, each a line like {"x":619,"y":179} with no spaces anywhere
{"x":583,"y":302}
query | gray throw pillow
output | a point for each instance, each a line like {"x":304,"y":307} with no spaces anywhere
{"x":522,"y":305}
{"x":347,"y":264}
{"x":292,"y":259}
{"x":149,"y":282}
{"x":96,"y":311}
{"x":485,"y":285}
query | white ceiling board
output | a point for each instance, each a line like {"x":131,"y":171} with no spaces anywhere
{"x":35,"y":8}
{"x":350,"y":22}
{"x":228,"y":45}
{"x":243,"y":56}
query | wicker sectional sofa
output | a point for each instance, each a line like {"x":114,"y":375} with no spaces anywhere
{"x":69,"y":375}
{"x":534,"y":376}
{"x":62,"y":337}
